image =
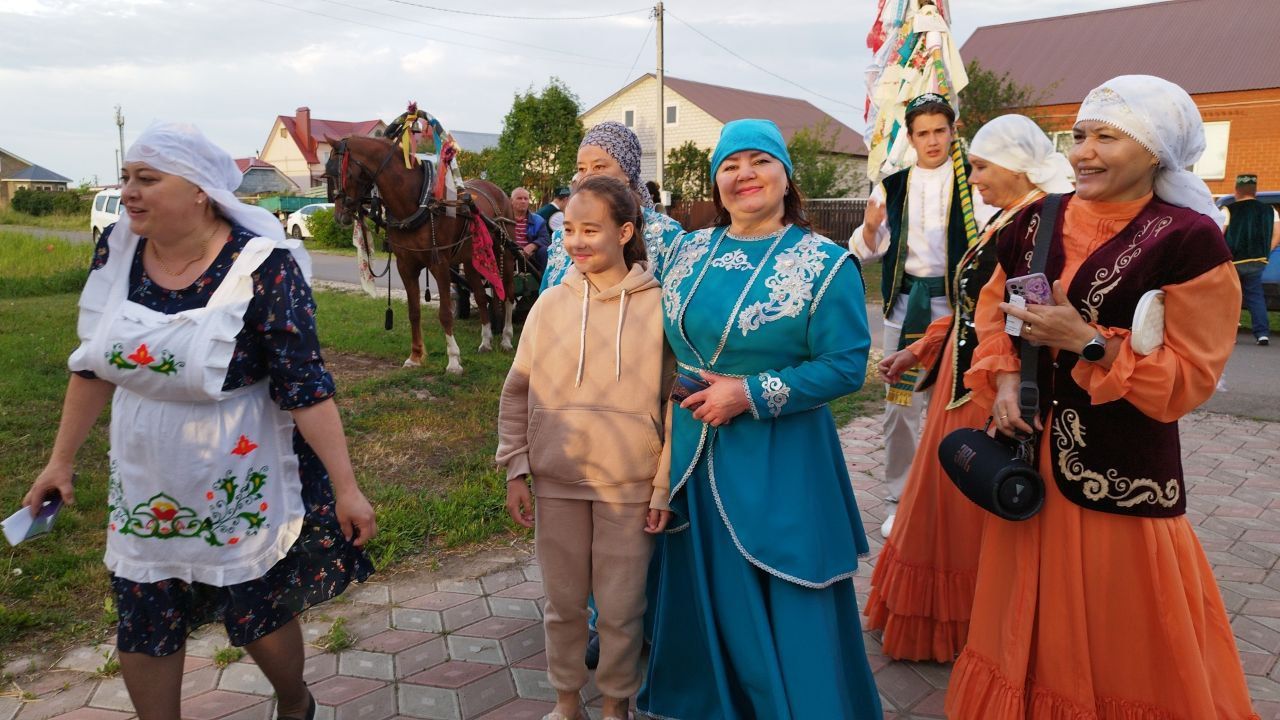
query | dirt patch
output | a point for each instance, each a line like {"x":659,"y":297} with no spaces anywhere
{"x":349,"y":368}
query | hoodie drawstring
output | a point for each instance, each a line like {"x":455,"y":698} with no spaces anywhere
{"x":582,"y":336}
{"x":617,"y":351}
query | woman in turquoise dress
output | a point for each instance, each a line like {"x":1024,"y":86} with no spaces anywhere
{"x":756,"y":614}
{"x":612,"y":149}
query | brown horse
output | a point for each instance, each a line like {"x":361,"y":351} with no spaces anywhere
{"x":439,"y":243}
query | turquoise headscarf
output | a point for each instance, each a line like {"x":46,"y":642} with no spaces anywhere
{"x":751,"y":134}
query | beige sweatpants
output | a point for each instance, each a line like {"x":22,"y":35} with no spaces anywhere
{"x":587,"y":547}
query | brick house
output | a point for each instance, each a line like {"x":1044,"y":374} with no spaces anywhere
{"x":1215,"y":49}
{"x":697,"y":111}
{"x":17,"y":173}
{"x":298,"y":146}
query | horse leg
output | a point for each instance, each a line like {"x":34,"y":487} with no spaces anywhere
{"x":507,"y":332}
{"x":476,"y":283}
{"x":441,"y":272}
{"x":409,"y":270}
{"x":508,"y":283}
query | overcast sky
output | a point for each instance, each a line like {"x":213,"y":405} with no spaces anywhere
{"x":232,"y":66}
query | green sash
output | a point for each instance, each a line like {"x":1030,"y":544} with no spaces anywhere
{"x":920,"y":292}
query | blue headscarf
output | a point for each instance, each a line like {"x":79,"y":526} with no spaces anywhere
{"x":739,"y":135}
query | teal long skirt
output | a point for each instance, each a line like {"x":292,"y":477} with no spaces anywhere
{"x":733,"y":642}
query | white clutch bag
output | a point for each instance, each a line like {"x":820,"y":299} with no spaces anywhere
{"x":1147,"y":333}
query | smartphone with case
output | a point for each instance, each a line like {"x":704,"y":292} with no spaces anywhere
{"x":686,"y":385}
{"x":1034,"y":288}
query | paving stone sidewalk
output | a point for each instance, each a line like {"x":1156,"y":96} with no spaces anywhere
{"x":465,"y":642}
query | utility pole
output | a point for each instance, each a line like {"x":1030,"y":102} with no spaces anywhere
{"x":660,"y":151}
{"x":120,"y":127}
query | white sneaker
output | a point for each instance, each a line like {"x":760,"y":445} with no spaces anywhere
{"x":887,"y":527}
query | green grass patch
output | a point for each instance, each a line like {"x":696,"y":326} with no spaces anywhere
{"x":31,"y":265}
{"x":1246,"y":321}
{"x":56,"y":221}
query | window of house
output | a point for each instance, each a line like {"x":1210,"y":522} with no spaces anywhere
{"x":284,"y":133}
{"x":1213,"y":164}
{"x":1063,"y":140}
{"x":672,"y":114}
{"x":629,"y":118}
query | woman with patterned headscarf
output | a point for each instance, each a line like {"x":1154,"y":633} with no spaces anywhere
{"x":1104,"y":605}
{"x":612,"y":149}
{"x":923,"y":584}
{"x":230,"y":494}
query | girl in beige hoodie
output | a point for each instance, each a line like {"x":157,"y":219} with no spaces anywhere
{"x":584,"y":412}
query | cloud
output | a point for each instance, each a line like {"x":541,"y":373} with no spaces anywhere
{"x":421,"y":61}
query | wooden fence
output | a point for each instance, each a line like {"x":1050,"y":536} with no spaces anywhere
{"x":835,"y":218}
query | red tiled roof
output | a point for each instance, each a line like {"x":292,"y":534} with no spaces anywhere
{"x":1203,"y":45}
{"x":245,"y":163}
{"x":321,"y":129}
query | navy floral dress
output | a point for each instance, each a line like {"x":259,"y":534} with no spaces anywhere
{"x":279,"y":344}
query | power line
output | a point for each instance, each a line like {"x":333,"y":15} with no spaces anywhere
{"x":518,"y":17}
{"x":765,"y":70}
{"x":414,"y":35}
{"x":643,"y":44}
{"x":463,"y":32}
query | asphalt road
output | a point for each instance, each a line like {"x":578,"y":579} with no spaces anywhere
{"x":1252,"y":379}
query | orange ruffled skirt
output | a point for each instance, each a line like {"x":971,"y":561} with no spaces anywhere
{"x":923,"y":584}
{"x":1084,"y":615}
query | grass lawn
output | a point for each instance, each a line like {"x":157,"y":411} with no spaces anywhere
{"x":422,"y":441}
{"x":9,"y":216}
{"x":1246,"y":321}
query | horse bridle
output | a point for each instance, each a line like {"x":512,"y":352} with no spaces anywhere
{"x":338,"y":165}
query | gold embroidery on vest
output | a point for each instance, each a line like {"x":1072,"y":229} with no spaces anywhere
{"x":1106,"y":279}
{"x":1124,"y":492}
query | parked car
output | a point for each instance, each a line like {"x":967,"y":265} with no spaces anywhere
{"x":296,"y":224}
{"x":107,"y":209}
{"x":1271,"y":275}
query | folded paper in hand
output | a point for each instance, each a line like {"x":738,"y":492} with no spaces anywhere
{"x":21,"y":526}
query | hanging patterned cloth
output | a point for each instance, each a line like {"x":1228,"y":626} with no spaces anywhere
{"x":914,"y":55}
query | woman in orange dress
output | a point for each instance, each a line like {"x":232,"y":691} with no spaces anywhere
{"x":1104,"y":606}
{"x":922,"y":588}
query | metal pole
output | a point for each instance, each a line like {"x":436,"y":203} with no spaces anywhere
{"x":120,"y":126}
{"x":660,"y":151}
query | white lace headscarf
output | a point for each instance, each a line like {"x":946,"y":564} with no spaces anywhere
{"x":181,"y":149}
{"x":1164,"y":119}
{"x":1016,"y":143}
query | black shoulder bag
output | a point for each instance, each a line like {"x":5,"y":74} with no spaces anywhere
{"x":999,"y":473}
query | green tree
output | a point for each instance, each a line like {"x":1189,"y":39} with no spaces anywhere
{"x":538,"y":147}
{"x":476,"y":164}
{"x":988,"y":96}
{"x":688,"y":172}
{"x":818,"y":171}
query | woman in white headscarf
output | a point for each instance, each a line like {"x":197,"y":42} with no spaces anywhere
{"x":922,"y":588}
{"x":1104,"y":605}
{"x":231,"y":495}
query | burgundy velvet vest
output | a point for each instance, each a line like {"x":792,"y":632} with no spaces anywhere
{"x":1112,"y":457}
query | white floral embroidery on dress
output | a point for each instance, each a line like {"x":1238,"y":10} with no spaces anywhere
{"x":790,"y":286}
{"x":774,"y":391}
{"x":735,"y":260}
{"x":687,"y":255}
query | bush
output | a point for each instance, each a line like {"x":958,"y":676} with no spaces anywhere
{"x":45,"y":202}
{"x":326,"y":232}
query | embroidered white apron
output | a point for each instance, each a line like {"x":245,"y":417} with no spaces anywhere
{"x":204,"y":484}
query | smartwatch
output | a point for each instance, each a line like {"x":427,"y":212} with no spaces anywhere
{"x":1095,"y":349}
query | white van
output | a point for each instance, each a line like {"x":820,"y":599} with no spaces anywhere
{"x":107,"y":209}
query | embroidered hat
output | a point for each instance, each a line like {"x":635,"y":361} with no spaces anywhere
{"x":929,"y":102}
{"x":1246,"y":180}
{"x":751,"y":134}
{"x":622,"y":145}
